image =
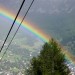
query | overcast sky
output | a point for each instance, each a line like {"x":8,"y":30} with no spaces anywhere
{"x":43,"y":12}
{"x":42,"y":6}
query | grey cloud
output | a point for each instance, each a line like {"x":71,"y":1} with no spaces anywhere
{"x":42,"y":6}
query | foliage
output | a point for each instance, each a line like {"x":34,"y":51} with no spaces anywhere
{"x":51,"y":61}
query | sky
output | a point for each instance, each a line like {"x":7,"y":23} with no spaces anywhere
{"x":49,"y":15}
{"x":41,"y":6}
{"x":43,"y":13}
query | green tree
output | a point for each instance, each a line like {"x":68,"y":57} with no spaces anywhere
{"x":51,"y":61}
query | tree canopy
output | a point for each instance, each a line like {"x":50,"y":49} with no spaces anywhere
{"x":50,"y":61}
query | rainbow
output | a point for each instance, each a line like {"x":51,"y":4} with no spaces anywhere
{"x":32,"y":28}
{"x":35,"y":30}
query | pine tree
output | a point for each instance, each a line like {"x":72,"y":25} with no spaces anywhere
{"x":51,"y":61}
